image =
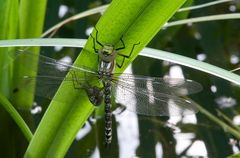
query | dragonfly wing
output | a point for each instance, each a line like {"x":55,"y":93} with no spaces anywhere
{"x":48,"y":66}
{"x":177,"y":86}
{"x":153,"y":103}
{"x":50,"y":75}
{"x":45,"y":86}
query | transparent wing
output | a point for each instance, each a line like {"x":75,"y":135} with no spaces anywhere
{"x":46,"y":86}
{"x":152,"y":103}
{"x":49,"y":66}
{"x":176,"y":86}
{"x":50,"y":75}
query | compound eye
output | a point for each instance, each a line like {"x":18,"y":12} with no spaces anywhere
{"x":105,"y":53}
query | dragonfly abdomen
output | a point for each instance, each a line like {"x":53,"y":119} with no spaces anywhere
{"x":108,"y":113}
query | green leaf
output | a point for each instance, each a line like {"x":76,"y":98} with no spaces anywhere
{"x":29,"y":27}
{"x":64,"y":42}
{"x":16,"y":117}
{"x":4,"y":9}
{"x":204,"y":19}
{"x":32,"y":18}
{"x":237,"y":155}
{"x":148,"y":52}
{"x":204,"y":5}
{"x":193,"y":63}
{"x":8,"y":30}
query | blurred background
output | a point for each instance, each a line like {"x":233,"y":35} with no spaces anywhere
{"x":216,"y":42}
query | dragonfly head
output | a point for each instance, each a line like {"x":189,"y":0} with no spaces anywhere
{"x":107,"y":53}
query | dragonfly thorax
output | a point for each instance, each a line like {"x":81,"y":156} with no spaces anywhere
{"x":107,"y":55}
{"x":106,"y":68}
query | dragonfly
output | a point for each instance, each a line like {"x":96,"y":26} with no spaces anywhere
{"x":151,"y":96}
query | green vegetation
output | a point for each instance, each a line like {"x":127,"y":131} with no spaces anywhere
{"x":136,"y":22}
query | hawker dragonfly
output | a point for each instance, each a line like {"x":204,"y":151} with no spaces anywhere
{"x":152,"y":96}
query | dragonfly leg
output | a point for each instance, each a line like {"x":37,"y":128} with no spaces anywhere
{"x":94,"y":44}
{"x":126,"y":56}
{"x":123,"y":47}
{"x":97,"y":38}
{"x":76,"y":84}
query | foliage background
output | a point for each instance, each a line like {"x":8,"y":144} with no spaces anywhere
{"x":218,"y":40}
